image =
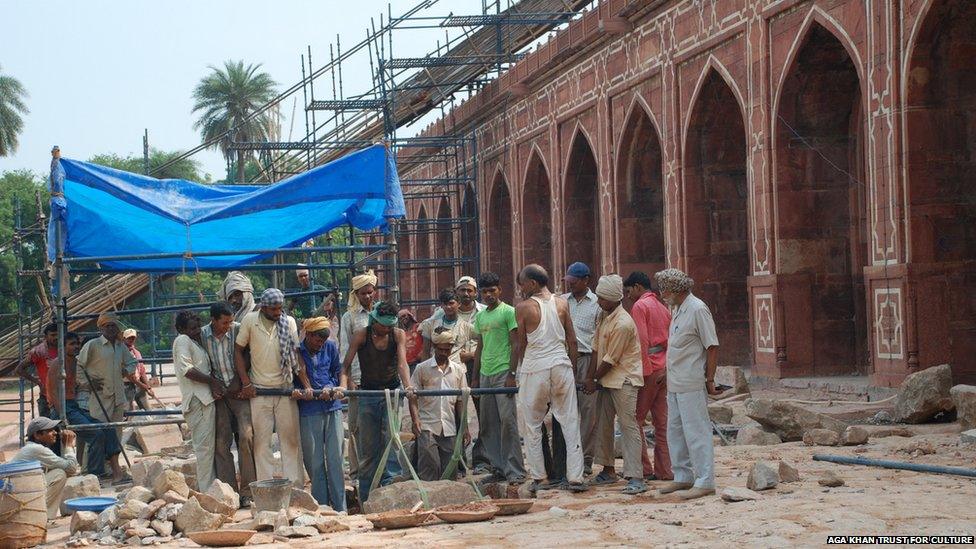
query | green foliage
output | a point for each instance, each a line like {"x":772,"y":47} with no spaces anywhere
{"x":12,"y":110}
{"x":225,"y":100}
{"x":183,"y":169}
{"x":205,"y":284}
{"x":22,"y":186}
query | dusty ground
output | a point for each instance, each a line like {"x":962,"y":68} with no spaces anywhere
{"x":873,"y":501}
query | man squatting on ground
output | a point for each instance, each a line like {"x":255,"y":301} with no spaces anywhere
{"x":545,"y":356}
{"x":42,"y":434}
{"x":435,"y":419}
{"x":692,"y":359}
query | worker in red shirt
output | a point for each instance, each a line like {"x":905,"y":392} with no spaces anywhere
{"x":653,"y":319}
{"x":34,"y":367}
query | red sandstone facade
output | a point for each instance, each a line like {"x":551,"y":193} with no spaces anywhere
{"x":809,"y":163}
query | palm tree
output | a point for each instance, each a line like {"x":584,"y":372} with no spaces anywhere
{"x":12,"y":108}
{"x":227,"y":98}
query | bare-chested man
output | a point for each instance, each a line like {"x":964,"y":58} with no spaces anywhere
{"x":544,"y":360}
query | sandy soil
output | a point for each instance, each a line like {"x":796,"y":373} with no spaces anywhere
{"x":873,"y":501}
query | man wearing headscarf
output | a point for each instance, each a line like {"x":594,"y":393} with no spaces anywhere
{"x":615,"y":376}
{"x":272,"y":338}
{"x":356,"y":317}
{"x":381,"y":350}
{"x":238,"y":291}
{"x":435,"y":418}
{"x":105,"y":363}
{"x":692,"y":357}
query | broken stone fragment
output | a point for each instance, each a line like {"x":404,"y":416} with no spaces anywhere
{"x":763,"y":476}
{"x":211,"y":504}
{"x":140,"y":493}
{"x":303,"y":500}
{"x":403,"y":495}
{"x":152,"y":508}
{"x":720,"y":413}
{"x":788,"y":473}
{"x":854,"y":435}
{"x":964,"y":399}
{"x":170,"y":481}
{"x":322,"y":524}
{"x":733,"y":494}
{"x":756,"y":436}
{"x":162,"y":527}
{"x":821,"y":437}
{"x":924,"y":394}
{"x":968,"y":437}
{"x":194,"y":518}
{"x":225,"y":494}
{"x":140,"y":532}
{"x":264,"y":520}
{"x":169,"y":511}
{"x":80,"y":486}
{"x":173,"y":497}
{"x":83,"y":521}
{"x":130,"y":509}
{"x":789,"y":420}
{"x":296,"y":531}
{"x":830,"y":479}
{"x":734,"y":377}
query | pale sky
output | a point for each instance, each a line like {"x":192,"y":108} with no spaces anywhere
{"x":100,"y":72}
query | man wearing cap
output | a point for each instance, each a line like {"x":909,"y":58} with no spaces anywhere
{"x":692,"y":357}
{"x":435,"y":419}
{"x":614,"y":377}
{"x":105,"y":363}
{"x":136,"y":389}
{"x":232,"y":414}
{"x":98,"y":443}
{"x":271,"y":336}
{"x":239,"y":292}
{"x":356,"y":317}
{"x":42,"y":434}
{"x":35,"y":366}
{"x":584,"y":310}
{"x":381,"y":350}
{"x":652,"y":319}
{"x":321,"y":419}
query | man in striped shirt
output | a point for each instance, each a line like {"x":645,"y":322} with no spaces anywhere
{"x":233,"y":414}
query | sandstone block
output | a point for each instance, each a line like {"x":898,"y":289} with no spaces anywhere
{"x":170,"y":481}
{"x":169,"y":511}
{"x":222,"y":492}
{"x":213,"y":505}
{"x":968,"y":437}
{"x":264,"y":520}
{"x":738,"y":494}
{"x":303,"y":500}
{"x":296,"y":531}
{"x":107,"y":518}
{"x":83,"y":521}
{"x":162,"y":527}
{"x":80,"y":486}
{"x":830,"y":479}
{"x":322,"y":524}
{"x":924,"y":394}
{"x":788,"y":473}
{"x":821,"y":437}
{"x":763,"y":476}
{"x":404,"y":495}
{"x":789,"y":420}
{"x":854,"y":435}
{"x":194,"y":518}
{"x":173,"y":497}
{"x":964,"y":399}
{"x":140,"y":493}
{"x":756,"y":436}
{"x":152,"y":508}
{"x":130,"y":509}
{"x":720,"y":413}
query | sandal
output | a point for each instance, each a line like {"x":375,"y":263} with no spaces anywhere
{"x":634,"y":487}
{"x":576,"y":487}
{"x":604,"y":478}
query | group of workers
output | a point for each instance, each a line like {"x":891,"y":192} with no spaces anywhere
{"x":583,"y":364}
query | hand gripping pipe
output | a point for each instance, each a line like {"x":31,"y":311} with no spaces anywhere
{"x":904,"y":465}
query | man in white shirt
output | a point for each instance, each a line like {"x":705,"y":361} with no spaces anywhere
{"x":435,"y":418}
{"x":199,"y":390}
{"x":464,"y":344}
{"x":272,"y":337}
{"x":356,"y":317}
{"x":42,"y":434}
{"x":692,"y":357}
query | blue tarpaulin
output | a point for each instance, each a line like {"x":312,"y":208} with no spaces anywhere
{"x":110,"y":212}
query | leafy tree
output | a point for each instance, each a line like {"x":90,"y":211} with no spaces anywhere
{"x":225,"y":99}
{"x":12,"y":110}
{"x":19,"y":186}
{"x":183,"y":169}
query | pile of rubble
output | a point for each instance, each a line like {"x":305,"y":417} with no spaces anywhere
{"x":164,"y":505}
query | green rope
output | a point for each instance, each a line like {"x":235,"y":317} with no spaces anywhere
{"x":393,"y":423}
{"x":459,"y":454}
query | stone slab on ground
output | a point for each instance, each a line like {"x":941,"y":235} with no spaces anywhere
{"x":756,"y":436}
{"x":830,"y":479}
{"x":924,"y":394}
{"x":821,"y":437}
{"x":153,"y":438}
{"x":733,"y":493}
{"x":170,"y":481}
{"x":192,"y":517}
{"x":964,"y":399}
{"x":404,"y":495}
{"x":302,"y":499}
{"x":79,"y":487}
{"x":789,"y":420}
{"x":854,"y":435}
{"x":225,"y":494}
{"x":788,"y":473}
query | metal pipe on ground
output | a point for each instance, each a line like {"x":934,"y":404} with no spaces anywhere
{"x":902,"y":465}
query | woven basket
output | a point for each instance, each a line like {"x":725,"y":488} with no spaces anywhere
{"x":512,"y":506}
{"x":468,"y":512}
{"x":391,"y":520}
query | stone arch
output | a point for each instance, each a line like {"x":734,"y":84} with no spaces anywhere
{"x":581,"y":204}
{"x":469,"y":232}
{"x":820,"y":195}
{"x":422,"y":273}
{"x":537,"y":212}
{"x":940,"y":129}
{"x":444,"y":247}
{"x":500,"y":235}
{"x":716,"y":223}
{"x":639,"y":195}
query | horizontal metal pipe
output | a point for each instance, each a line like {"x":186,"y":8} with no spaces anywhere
{"x":114,"y":424}
{"x":903,"y":465}
{"x":216,"y":253}
{"x":421,"y":392}
{"x":157,"y":412}
{"x":182,"y":306}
